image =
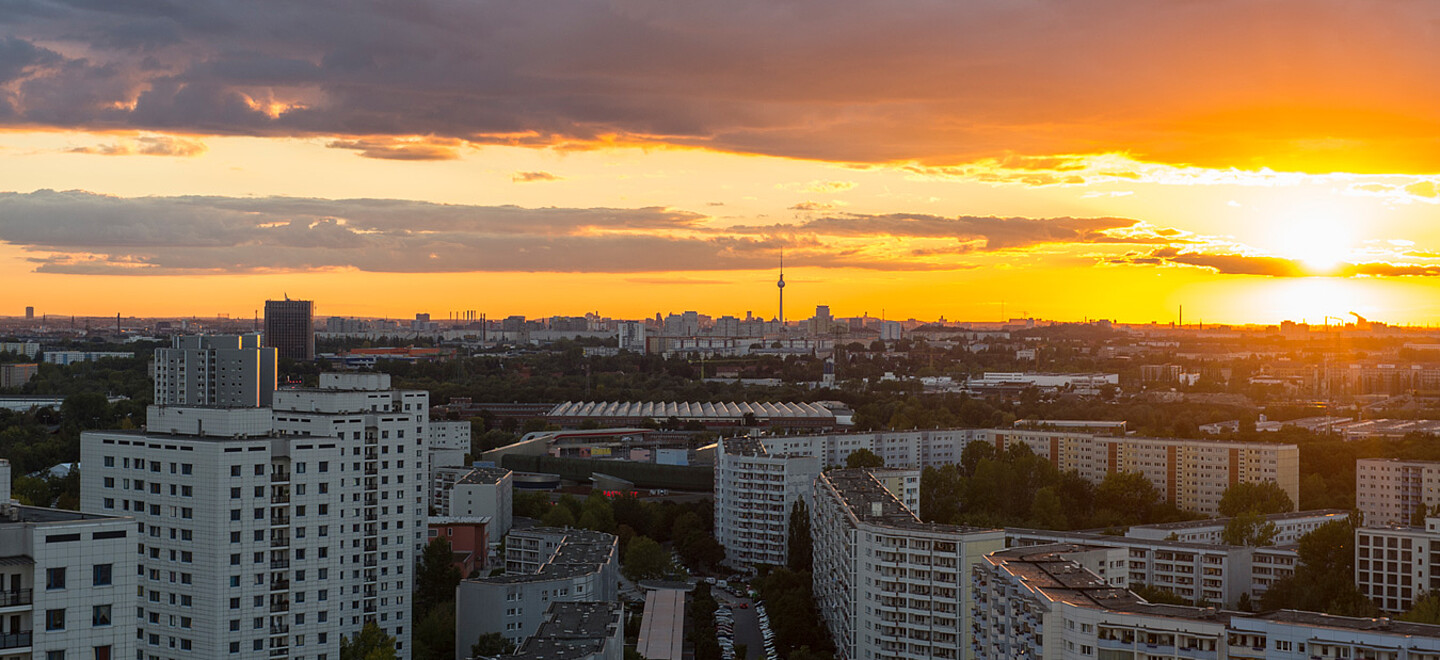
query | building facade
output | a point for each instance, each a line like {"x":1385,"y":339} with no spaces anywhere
{"x":290,"y":328}
{"x":286,"y":532}
{"x":16,"y":375}
{"x":485,"y":491}
{"x":755,"y":491}
{"x":1193,"y":474}
{"x":889,"y":586}
{"x":215,"y":370}
{"x":67,"y":583}
{"x":1389,"y":491}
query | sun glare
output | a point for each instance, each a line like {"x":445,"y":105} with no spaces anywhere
{"x":1320,"y":237}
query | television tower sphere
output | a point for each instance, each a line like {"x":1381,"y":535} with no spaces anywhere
{"x":781,"y":283}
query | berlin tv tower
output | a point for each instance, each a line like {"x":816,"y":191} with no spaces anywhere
{"x":781,"y":285}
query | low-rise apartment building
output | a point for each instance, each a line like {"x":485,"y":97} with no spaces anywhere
{"x":1040,"y":603}
{"x":543,"y":565}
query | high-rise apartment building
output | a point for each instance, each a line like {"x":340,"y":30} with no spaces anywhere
{"x":383,"y":434}
{"x":631,"y":335}
{"x":242,"y":548}
{"x":67,"y":582}
{"x":16,"y":375}
{"x":1388,"y":491}
{"x":888,"y":585}
{"x":755,"y":492}
{"x":215,"y":370}
{"x":268,"y":536}
{"x":290,"y":328}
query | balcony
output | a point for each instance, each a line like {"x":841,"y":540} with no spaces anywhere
{"x":280,"y":564}
{"x":280,"y":606}
{"x":279,"y":628}
{"x":17,"y":597}
{"x":15,"y":640}
{"x":279,"y":585}
{"x":280,"y":477}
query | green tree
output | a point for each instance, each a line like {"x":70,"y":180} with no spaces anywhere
{"x":491,"y":645}
{"x":370,"y":644}
{"x":1128,"y":495}
{"x":1425,"y":610}
{"x":1324,"y":578}
{"x":645,"y":559}
{"x":1263,"y":498}
{"x":800,"y":546}
{"x":1249,"y":529}
{"x":558,"y":516}
{"x":863,"y":458}
{"x":1047,"y":511}
{"x":434,"y":637}
{"x":435,"y":577}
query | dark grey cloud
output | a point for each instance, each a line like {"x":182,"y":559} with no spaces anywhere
{"x":849,"y":80}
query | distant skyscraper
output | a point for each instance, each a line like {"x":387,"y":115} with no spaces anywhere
{"x":29,"y":313}
{"x":290,"y":328}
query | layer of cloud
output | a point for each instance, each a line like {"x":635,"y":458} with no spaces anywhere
{"x":1232,"y":83}
{"x":389,"y":149}
{"x":157,"y":145}
{"x":531,"y":177}
{"x":76,"y":232}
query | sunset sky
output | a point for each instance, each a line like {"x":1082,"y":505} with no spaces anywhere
{"x":1254,"y":161}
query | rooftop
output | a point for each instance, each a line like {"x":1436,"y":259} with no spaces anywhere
{"x":1380,"y":624}
{"x":1220,"y":522}
{"x":483,"y":475}
{"x":1046,"y":569}
{"x":581,"y":551}
{"x":870,"y":502}
{"x":36,"y":514}
{"x":573,"y":630}
{"x":687,"y":410}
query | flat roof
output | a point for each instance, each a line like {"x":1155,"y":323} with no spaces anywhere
{"x":483,"y":475}
{"x":870,"y":502}
{"x":662,"y":628}
{"x":573,"y":630}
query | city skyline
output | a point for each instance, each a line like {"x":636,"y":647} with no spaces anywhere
{"x":1242,"y":161}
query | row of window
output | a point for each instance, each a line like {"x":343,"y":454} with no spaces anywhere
{"x":155,"y":466}
{"x":55,"y":619}
{"x":100,"y":576}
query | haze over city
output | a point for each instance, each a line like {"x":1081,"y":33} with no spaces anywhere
{"x":1252,"y":162}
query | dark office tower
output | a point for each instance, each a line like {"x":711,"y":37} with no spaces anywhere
{"x":290,"y":328}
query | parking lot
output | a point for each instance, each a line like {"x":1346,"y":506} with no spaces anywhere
{"x":744,"y":624}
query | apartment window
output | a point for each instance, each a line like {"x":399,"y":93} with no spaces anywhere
{"x":101,"y":574}
{"x":100,"y":615}
{"x":55,"y":619}
{"x":234,"y":493}
{"x":55,"y":578}
{"x":54,"y":655}
{"x":235,"y":472}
